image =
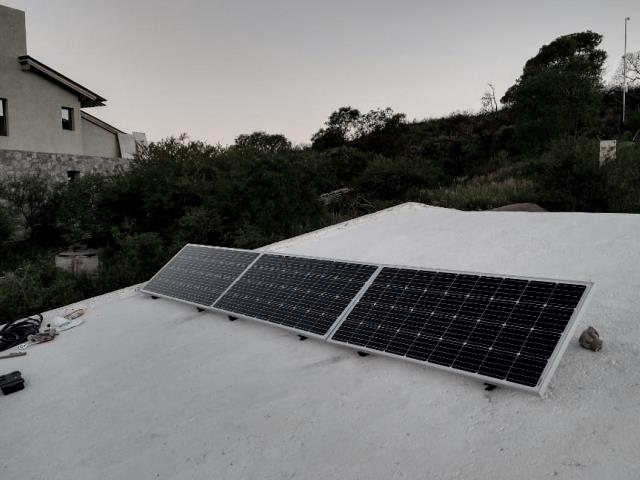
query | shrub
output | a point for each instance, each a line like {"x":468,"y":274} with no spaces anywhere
{"x":623,"y":180}
{"x":477,"y":194}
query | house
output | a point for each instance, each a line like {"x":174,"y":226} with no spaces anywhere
{"x":155,"y":389}
{"x":43,"y":111}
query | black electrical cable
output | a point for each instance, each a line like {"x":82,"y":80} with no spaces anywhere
{"x":16,"y":332}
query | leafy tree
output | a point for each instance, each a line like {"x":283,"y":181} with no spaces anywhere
{"x":341,"y":128}
{"x":34,"y":198}
{"x":81,"y":214}
{"x":559,"y":91}
{"x":376,"y":130}
{"x":263,"y":142}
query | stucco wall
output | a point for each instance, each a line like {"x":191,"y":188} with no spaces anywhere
{"x":33,"y":103}
{"x":98,"y":141}
{"x":18,"y":163}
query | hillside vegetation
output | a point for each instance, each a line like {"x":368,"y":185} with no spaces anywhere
{"x":538,"y":143}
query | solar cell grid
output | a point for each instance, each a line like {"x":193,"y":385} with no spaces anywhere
{"x":200,"y":274}
{"x":299,"y":293}
{"x":504,"y":328}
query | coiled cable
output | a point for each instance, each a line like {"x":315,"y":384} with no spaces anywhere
{"x":17,"y":332}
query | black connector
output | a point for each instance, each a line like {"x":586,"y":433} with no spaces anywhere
{"x":11,"y":382}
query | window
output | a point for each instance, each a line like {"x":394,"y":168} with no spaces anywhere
{"x":67,"y":118}
{"x":72,"y":175}
{"x":4,"y":125}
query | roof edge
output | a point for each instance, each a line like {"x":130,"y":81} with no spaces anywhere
{"x":100,"y":123}
{"x":87,"y":97}
{"x":283,"y":244}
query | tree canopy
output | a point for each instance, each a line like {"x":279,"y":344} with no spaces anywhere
{"x":560,"y":89}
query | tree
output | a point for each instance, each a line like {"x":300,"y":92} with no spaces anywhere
{"x":488,"y":100}
{"x":34,"y":198}
{"x":263,"y":142}
{"x":559,"y":91}
{"x":633,"y":71}
{"x":341,"y":128}
{"x":365,"y":131}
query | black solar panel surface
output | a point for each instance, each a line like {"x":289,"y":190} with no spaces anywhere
{"x":301,"y":293}
{"x":504,"y":328}
{"x":200,"y":274}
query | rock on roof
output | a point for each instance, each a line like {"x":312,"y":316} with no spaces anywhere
{"x":153,"y":389}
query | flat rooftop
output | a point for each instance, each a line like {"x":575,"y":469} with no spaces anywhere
{"x":153,"y":389}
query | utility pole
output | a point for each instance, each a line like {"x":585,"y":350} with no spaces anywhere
{"x":624,"y":70}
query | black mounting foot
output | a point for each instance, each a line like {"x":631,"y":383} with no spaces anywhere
{"x":200,"y":309}
{"x":154,"y":297}
{"x":232,"y":319}
{"x":363,"y":354}
{"x":490,"y":386}
{"x":302,"y":337}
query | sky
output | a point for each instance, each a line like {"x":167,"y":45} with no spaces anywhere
{"x":215,"y":69}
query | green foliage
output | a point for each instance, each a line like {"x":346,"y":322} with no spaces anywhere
{"x":339,"y":129}
{"x":559,"y":91}
{"x":570,"y":178}
{"x":263,"y":142}
{"x":7,"y":224}
{"x":623,"y":180}
{"x":481,"y":194}
{"x":386,"y":179}
{"x":336,"y":168}
{"x":134,"y":258}
{"x":35,"y":199}
{"x":36,"y":285}
{"x":81,"y":216}
{"x":371,"y":132}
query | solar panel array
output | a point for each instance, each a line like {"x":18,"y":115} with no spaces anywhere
{"x":503,"y":328}
{"x":199,"y":274}
{"x":300,"y":293}
{"x":497,"y":327}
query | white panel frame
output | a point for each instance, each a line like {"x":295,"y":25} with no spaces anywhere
{"x":545,"y":377}
{"x":304,"y":333}
{"x":552,"y":363}
{"x":199,"y":305}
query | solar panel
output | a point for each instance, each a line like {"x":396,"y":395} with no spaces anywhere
{"x":199,"y":274}
{"x":496,"y":328}
{"x":303,"y":294}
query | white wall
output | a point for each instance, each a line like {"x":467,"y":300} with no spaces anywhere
{"x":98,"y":141}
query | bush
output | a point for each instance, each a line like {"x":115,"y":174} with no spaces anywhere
{"x":569,"y":176}
{"x":35,"y":199}
{"x":135,"y":258}
{"x":623,"y":180}
{"x":7,"y":225}
{"x":37,"y":286}
{"x":477,"y":194}
{"x":392,"y":179}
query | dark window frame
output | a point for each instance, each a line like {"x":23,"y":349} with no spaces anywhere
{"x":68,"y":124}
{"x":4,"y":122}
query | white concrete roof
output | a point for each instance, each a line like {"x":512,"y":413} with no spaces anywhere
{"x":153,"y":389}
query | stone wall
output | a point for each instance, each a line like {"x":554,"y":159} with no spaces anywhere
{"x":15,"y":163}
